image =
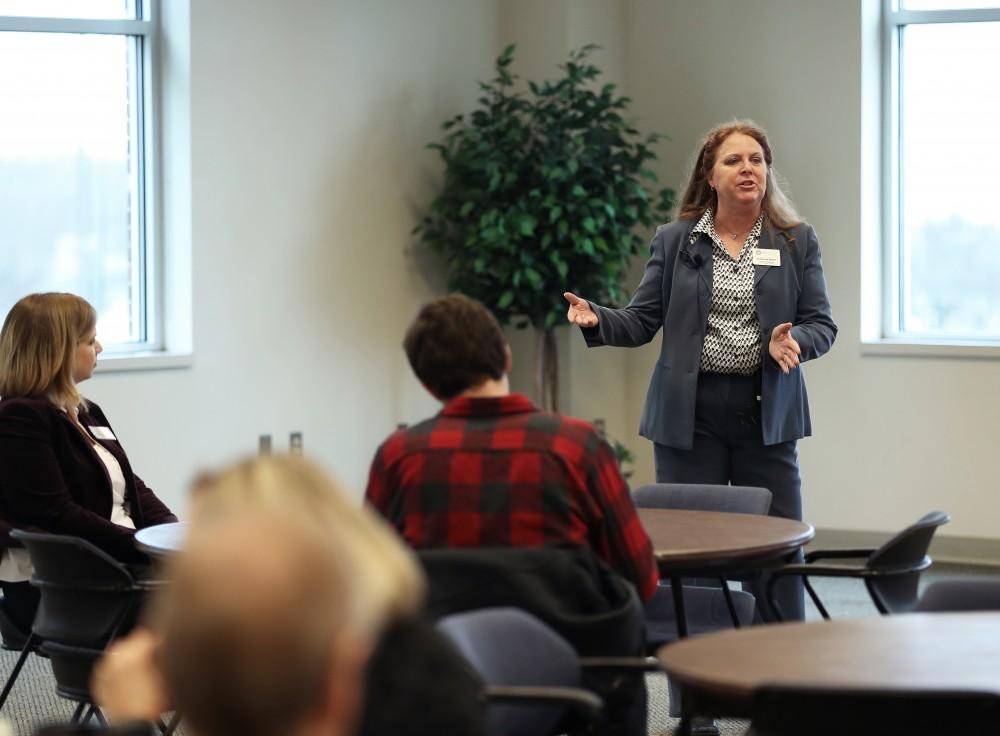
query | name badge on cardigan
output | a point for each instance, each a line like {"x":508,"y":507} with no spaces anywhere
{"x":766,"y":257}
{"x":103,"y":433}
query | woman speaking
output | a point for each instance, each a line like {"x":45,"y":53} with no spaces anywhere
{"x":737,"y":284}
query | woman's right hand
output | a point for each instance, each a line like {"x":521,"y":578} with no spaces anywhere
{"x":579,"y":312}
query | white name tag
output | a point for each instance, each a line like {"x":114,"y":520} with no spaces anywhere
{"x":766,"y":257}
{"x":103,"y":433}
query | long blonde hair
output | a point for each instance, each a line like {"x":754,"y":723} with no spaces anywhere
{"x":699,"y":195}
{"x":390,"y":583}
{"x":38,"y":346}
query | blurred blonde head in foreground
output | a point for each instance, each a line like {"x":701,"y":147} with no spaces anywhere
{"x":256,"y":631}
{"x":275,"y":603}
{"x":386,"y":581}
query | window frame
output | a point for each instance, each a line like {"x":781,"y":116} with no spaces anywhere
{"x":148,"y":268}
{"x":892,"y":339}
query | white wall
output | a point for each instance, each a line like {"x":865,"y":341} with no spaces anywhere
{"x":307,"y":130}
{"x":308,"y":170}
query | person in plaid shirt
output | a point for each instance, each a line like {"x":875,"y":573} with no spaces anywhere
{"x":493,"y":470}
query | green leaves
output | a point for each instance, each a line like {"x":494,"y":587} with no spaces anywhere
{"x":542,"y":192}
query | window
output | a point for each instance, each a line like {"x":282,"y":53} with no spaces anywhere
{"x":941,"y":170}
{"x":76,"y":189}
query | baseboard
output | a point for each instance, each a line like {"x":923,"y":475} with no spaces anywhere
{"x":944,"y":548}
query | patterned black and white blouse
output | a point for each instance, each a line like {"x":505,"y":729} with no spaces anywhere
{"x":732,"y":339}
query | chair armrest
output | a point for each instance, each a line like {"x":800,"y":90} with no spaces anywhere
{"x":580,"y":700}
{"x":625,"y":664}
{"x":8,"y":541}
{"x":151,"y":585}
{"x":835,"y":571}
{"x":841,"y":554}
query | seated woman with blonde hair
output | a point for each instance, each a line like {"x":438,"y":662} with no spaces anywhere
{"x":62,"y":469}
{"x":416,"y":682}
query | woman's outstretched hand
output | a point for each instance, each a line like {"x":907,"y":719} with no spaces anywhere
{"x":783,"y":347}
{"x":579,"y":312}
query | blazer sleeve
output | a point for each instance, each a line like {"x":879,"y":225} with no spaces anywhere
{"x":154,"y":511}
{"x":814,"y":328}
{"x":34,"y":491}
{"x":638,"y":322}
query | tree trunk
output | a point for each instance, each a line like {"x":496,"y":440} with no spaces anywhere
{"x":546,"y":369}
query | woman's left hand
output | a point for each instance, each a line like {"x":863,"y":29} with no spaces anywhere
{"x":783,"y":348}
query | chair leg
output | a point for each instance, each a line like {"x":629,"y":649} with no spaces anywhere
{"x":88,"y":714}
{"x":876,"y":597}
{"x":678,"y":594}
{"x":815,"y":598}
{"x":771,"y":600}
{"x":29,"y":647}
{"x":727,"y":594}
{"x":77,"y":712}
{"x":169,"y":729}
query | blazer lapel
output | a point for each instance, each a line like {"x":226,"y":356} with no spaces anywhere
{"x":702,"y":247}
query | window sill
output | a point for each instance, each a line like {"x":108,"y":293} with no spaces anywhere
{"x":914,"y":348}
{"x":147,"y":361}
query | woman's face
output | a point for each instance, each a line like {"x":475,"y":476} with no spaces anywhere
{"x":739,"y":175}
{"x":86,"y":357}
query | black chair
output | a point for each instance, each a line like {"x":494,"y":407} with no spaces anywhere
{"x":87,"y":598}
{"x":12,"y":635}
{"x":891,"y":572}
{"x":961,"y":594}
{"x":532,"y":675}
{"x":572,"y":591}
{"x":794,"y":711}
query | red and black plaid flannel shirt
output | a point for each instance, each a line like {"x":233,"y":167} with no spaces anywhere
{"x":497,"y":472}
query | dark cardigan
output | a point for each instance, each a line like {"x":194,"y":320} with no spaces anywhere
{"x":52,"y":479}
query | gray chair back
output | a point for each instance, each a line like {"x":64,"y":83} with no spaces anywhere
{"x":703,"y":497}
{"x":706,"y":612}
{"x":961,"y":594}
{"x":509,"y":647}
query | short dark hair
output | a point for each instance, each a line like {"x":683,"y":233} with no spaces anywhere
{"x":455,"y":343}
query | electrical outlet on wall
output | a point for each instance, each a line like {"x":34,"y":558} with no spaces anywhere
{"x":600,"y":426}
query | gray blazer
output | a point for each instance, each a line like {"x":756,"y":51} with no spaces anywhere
{"x":675,"y":293}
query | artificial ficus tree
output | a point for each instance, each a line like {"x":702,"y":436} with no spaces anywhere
{"x":542,"y":192}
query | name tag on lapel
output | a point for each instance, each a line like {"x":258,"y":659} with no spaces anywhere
{"x":103,"y":433}
{"x":766,"y":257}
